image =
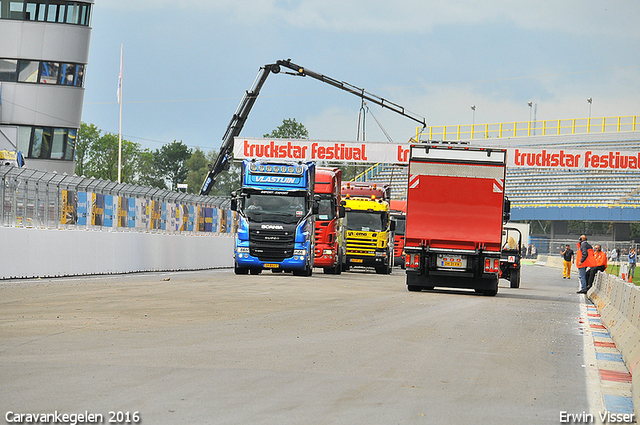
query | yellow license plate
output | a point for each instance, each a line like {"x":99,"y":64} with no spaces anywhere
{"x":356,"y":260}
{"x":451,"y":264}
{"x":272,"y":266}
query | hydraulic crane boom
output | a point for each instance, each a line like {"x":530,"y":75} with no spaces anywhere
{"x":240,"y":116}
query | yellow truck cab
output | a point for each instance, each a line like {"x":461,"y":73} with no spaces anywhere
{"x":368,"y":227}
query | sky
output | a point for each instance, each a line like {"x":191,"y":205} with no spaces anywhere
{"x":188,"y":63}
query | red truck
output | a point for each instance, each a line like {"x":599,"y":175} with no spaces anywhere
{"x":455,"y":212}
{"x":329,"y":251}
{"x":399,"y":214}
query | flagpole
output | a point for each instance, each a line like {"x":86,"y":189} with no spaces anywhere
{"x":120,"y":126}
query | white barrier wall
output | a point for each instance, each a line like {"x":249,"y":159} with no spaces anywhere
{"x":618,"y":303}
{"x":31,"y":252}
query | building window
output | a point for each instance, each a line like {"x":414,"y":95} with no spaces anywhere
{"x":35,"y":11}
{"x":41,"y":145}
{"x":58,"y":11}
{"x":11,"y":9}
{"x":71,"y":74}
{"x":58,"y":143}
{"x":70,"y":151}
{"x":24,"y":139}
{"x":27,"y":71}
{"x":49,"y":72}
{"x":8,"y":70}
{"x":47,"y":142}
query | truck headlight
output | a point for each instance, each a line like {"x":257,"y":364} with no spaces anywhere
{"x":242,"y":249}
{"x":327,"y":252}
{"x":380,"y":253}
{"x":300,"y":252}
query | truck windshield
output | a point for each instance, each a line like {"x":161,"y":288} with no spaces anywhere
{"x":366,"y":221}
{"x":401,"y":224}
{"x":283,"y":209}
{"x":326,"y":210}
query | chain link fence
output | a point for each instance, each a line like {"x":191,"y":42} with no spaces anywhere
{"x":40,"y":199}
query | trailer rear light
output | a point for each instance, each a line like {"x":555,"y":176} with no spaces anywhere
{"x":491,"y":265}
{"x":412,"y":260}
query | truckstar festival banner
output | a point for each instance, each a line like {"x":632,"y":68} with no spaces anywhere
{"x":310,"y":150}
{"x":585,"y":159}
{"x":395,"y":153}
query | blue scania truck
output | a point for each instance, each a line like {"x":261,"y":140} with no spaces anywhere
{"x":276,"y":223}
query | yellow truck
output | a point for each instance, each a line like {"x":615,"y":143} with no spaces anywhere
{"x":368,"y":226}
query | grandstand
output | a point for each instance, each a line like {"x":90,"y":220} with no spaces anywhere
{"x":552,"y":194}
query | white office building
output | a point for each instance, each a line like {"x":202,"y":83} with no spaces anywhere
{"x":44,"y":49}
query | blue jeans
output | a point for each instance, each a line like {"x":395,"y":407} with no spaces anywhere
{"x":582,"y":277}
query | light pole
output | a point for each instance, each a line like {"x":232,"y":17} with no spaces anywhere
{"x":590,"y":100}
{"x":473,"y":119}
{"x":530,"y":106}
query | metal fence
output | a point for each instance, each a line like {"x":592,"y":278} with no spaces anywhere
{"x":34,"y":198}
{"x":547,"y":246}
{"x":530,"y":128}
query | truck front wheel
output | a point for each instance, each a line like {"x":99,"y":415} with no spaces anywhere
{"x":240,"y":270}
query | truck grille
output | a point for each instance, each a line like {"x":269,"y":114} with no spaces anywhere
{"x":361,"y":246}
{"x":271,"y":245}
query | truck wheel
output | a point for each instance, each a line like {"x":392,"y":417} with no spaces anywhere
{"x":307,"y":271}
{"x":338,"y":268}
{"x":240,"y":270}
{"x":493,"y":290}
{"x":414,"y":288}
{"x":515,"y":278}
{"x":255,"y":271}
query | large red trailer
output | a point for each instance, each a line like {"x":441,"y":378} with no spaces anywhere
{"x":329,"y":251}
{"x":455,"y":211}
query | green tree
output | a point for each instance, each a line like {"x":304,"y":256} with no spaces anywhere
{"x":170,"y":161}
{"x":101,"y":159}
{"x":198,"y":166}
{"x":87,"y":135}
{"x":147,"y":174}
{"x":290,"y":129}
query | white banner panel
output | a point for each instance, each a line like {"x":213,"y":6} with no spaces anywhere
{"x":584,"y":159}
{"x":394,"y":153}
{"x":314,"y":150}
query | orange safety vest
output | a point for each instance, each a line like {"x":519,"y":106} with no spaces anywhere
{"x":589,"y":262}
{"x":601,"y":258}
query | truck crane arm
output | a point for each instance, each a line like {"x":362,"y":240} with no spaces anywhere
{"x":248,"y":100}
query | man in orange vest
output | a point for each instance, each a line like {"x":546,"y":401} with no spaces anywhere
{"x":601,"y":265}
{"x":584,"y":259}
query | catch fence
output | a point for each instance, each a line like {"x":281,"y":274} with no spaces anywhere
{"x":40,"y":199}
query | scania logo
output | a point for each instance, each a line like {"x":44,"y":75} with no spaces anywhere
{"x":271,"y":238}
{"x":272,"y":227}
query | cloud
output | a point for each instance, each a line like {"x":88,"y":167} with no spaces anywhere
{"x":411,"y":16}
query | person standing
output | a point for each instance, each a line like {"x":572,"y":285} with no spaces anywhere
{"x":601,"y":265}
{"x":584,"y":259}
{"x":567,"y":260}
{"x":632,"y":263}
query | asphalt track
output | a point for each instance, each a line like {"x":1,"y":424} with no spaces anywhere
{"x":210,"y":347}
